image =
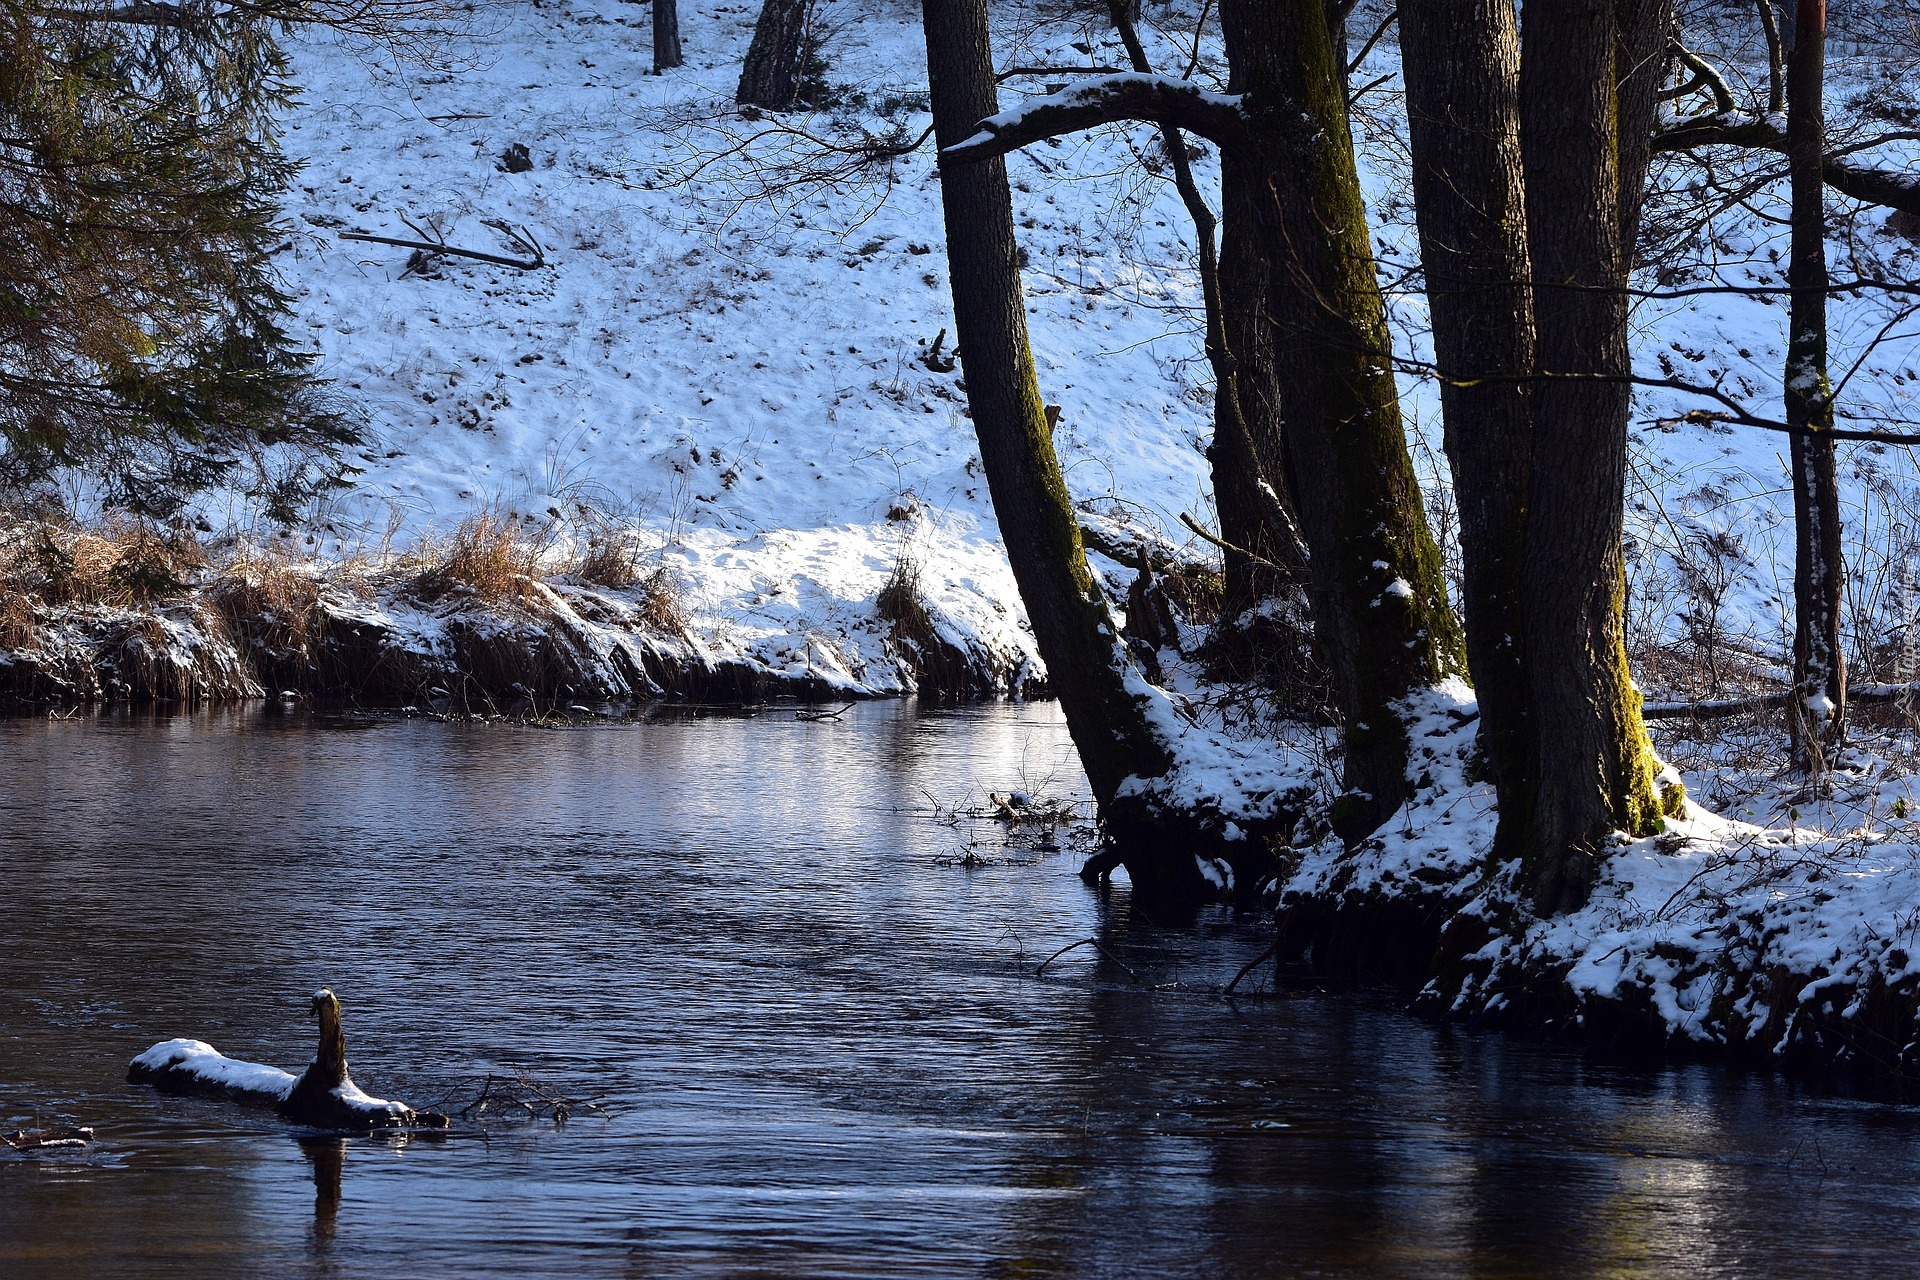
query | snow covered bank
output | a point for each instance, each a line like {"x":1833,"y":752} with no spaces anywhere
{"x":409,"y":634}
{"x":1796,"y":945}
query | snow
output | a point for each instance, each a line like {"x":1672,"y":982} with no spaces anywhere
{"x":734,"y":384}
{"x":198,"y":1058}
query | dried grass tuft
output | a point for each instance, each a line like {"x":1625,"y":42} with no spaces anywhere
{"x":271,"y":604}
{"x":608,"y":561}
{"x":901,"y":602}
{"x":491,"y":556}
{"x":123,"y":562}
{"x":16,"y":620}
{"x":663,"y":602}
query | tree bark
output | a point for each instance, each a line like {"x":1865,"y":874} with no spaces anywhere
{"x":666,"y":35}
{"x":1380,"y":607}
{"x":771,"y":75}
{"x":1086,"y":661}
{"x":1595,"y":768}
{"x":1462,"y":67}
{"x":1819,"y":667}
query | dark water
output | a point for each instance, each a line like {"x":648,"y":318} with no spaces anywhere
{"x":823,"y":1052}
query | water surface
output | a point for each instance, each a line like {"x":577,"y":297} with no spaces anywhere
{"x":821,"y":1043}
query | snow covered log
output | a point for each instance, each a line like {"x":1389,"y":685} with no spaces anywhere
{"x":1106,"y":100}
{"x":323,"y":1096}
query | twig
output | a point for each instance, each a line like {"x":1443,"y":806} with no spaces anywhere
{"x":1087,"y":942}
{"x":1253,"y":964}
{"x":1291,"y":575}
{"x":1372,"y":40}
{"x":1000,"y":77}
{"x":813,"y":716}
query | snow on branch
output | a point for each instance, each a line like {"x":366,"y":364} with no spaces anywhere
{"x":1131,"y":95}
{"x":1890,"y":188}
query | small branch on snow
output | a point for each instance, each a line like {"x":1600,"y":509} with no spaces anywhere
{"x":521,"y":237}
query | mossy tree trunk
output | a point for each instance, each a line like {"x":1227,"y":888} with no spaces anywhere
{"x":1595,"y":768}
{"x":1380,"y":606}
{"x":1819,"y":667}
{"x":1462,"y":67}
{"x":1089,"y":667}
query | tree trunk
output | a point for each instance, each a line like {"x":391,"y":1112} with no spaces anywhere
{"x":666,"y":35}
{"x":1595,"y":767}
{"x":1380,"y":607}
{"x":1090,"y":669}
{"x":1462,"y":67}
{"x":771,"y":75}
{"x":1819,"y":667}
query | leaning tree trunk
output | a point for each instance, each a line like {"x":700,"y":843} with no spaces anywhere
{"x":1819,"y":668}
{"x":776,"y":59}
{"x":666,"y":35}
{"x":1090,"y":671}
{"x":1380,"y":605}
{"x":1462,"y":66}
{"x":1595,"y":766}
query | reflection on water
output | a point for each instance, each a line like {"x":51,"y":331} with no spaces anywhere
{"x":824,"y":1052}
{"x":329,"y":1159}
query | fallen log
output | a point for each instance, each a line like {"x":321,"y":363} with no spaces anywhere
{"x":324,"y":1096}
{"x":40,"y":1139}
{"x":1720,"y":708}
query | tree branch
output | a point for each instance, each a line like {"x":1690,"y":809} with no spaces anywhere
{"x":1705,"y":73}
{"x":534,"y":263}
{"x":1886,"y":187}
{"x":1107,"y":100}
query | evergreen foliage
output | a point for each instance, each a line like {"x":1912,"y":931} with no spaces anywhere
{"x":142,"y":327}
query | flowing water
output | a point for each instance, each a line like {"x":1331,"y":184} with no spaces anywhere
{"x":820,"y":1042}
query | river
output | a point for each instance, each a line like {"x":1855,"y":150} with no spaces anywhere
{"x":818,"y":1039}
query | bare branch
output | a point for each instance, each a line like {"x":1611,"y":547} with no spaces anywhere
{"x":1107,"y":100}
{"x":1776,"y":58}
{"x":520,"y":237}
{"x":1393,"y":14}
{"x":1706,"y":74}
{"x":1890,"y":188}
{"x":1000,"y":77}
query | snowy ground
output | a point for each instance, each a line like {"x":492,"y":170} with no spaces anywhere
{"x":735,"y":380}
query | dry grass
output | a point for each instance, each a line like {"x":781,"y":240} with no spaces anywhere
{"x":16,"y":620}
{"x":119,"y":562}
{"x":902,"y":602}
{"x":271,"y":603}
{"x":490,"y":555}
{"x":663,"y":602}
{"x":608,"y":561}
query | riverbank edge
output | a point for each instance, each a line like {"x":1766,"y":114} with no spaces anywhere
{"x":1458,"y":944}
{"x":396,"y":639}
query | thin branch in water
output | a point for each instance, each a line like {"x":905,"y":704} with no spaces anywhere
{"x":1087,"y":942}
